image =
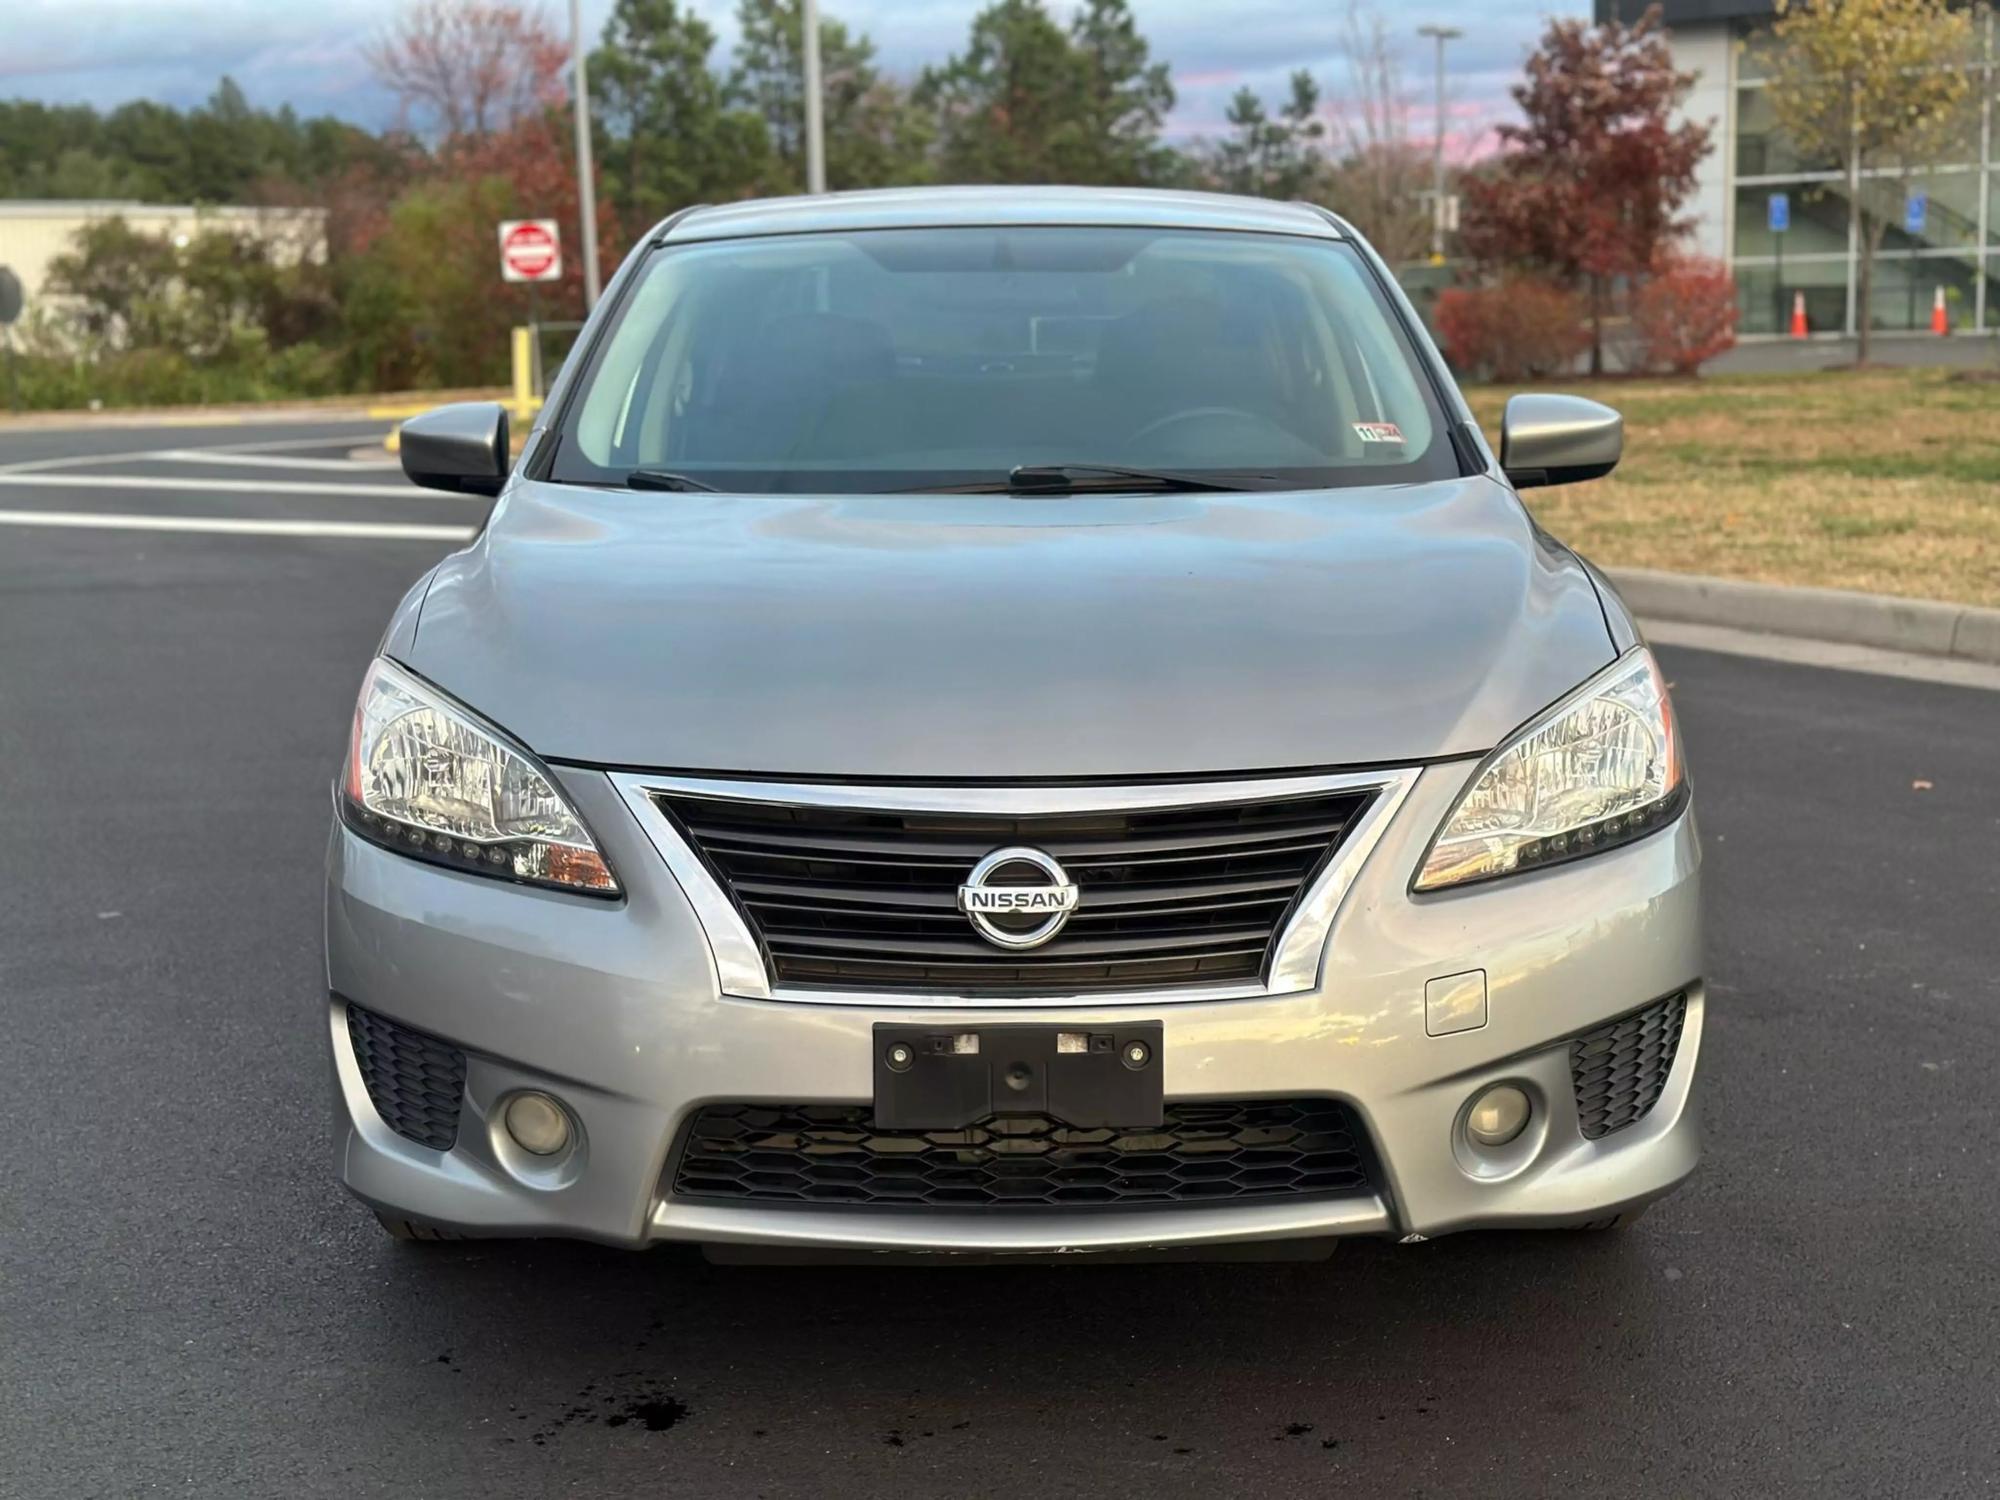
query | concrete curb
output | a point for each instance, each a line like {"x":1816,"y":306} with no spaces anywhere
{"x":1922,"y":627}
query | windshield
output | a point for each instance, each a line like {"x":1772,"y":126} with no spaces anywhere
{"x":906,"y":359}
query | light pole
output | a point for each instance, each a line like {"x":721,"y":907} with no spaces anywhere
{"x":815,"y":123}
{"x":1443,"y":34}
{"x":586,"y":185}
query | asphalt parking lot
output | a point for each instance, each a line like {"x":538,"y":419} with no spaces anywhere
{"x":189,"y":1304}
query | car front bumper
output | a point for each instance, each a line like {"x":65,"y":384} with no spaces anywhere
{"x":615,"y":1009}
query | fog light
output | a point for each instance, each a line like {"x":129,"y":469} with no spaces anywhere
{"x":1498,"y":1115}
{"x":538,"y":1124}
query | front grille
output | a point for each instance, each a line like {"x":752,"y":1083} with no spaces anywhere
{"x":415,"y":1082}
{"x":1203,"y":1153}
{"x":854,"y":898}
{"x":1619,"y":1070}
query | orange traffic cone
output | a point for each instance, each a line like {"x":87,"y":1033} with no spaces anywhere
{"x":1798,"y":315}
{"x":1940,"y":319}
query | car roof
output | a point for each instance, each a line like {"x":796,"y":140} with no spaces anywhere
{"x":944,"y":207}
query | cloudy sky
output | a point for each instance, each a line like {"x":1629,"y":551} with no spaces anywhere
{"x":307,"y":52}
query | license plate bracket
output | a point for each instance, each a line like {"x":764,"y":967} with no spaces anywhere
{"x":948,"y":1077}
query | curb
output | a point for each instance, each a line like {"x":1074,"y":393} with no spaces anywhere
{"x":1922,"y":627}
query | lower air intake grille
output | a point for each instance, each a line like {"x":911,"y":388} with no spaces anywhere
{"x":1618,"y":1070}
{"x":1203,"y":1153}
{"x":865,"y":899}
{"x":415,"y":1082}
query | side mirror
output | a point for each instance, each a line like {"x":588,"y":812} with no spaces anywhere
{"x":1559,"y":440}
{"x":462,"y":448}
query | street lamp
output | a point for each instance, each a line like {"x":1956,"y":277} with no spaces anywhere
{"x":1443,"y":34}
{"x":586,"y":185}
{"x":815,"y":126}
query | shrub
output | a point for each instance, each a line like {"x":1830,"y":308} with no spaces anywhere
{"x":1686,"y":314}
{"x":1518,"y":329}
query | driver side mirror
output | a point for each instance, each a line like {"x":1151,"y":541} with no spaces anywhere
{"x":1558,"y":440}
{"x":461,"y":448}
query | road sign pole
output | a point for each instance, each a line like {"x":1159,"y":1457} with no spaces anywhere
{"x":535,"y":336}
{"x":1778,"y":291}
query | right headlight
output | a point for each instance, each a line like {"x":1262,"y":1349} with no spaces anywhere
{"x":427,"y":777}
{"x":1599,"y":769}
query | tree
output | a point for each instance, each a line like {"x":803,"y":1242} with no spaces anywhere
{"x":470,"y":68}
{"x":1125,"y":99}
{"x":1588,"y":188}
{"x":1380,"y":178}
{"x":874,"y":136}
{"x":1271,"y":157}
{"x":1878,"y":86}
{"x":672,"y":138}
{"x":1007,"y":106}
{"x":1028,"y":102}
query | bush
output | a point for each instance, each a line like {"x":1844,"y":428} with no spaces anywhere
{"x":1517,"y":330}
{"x":1686,"y":314}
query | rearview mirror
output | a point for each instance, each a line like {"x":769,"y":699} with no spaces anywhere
{"x":462,"y":448}
{"x":1558,"y":440}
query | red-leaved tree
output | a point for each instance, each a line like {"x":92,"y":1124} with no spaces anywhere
{"x":1686,"y":314}
{"x":1588,"y":188}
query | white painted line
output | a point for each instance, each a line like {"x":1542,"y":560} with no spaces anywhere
{"x":268,"y":460}
{"x":214,"y":486}
{"x":237,"y":526}
{"x":150,"y":455}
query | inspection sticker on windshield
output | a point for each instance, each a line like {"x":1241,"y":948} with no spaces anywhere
{"x":1378,"y":432}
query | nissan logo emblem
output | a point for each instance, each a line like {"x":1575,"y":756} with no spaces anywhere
{"x":1017,"y":898}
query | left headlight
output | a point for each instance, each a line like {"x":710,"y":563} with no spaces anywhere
{"x":1600,"y":768}
{"x":427,"y":777}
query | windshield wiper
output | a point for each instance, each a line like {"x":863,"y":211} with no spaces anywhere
{"x":1079,"y":479}
{"x":662,"y":479}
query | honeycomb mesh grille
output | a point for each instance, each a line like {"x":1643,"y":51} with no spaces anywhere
{"x":415,"y":1082}
{"x":1203,"y":1153}
{"x":1618,"y":1070}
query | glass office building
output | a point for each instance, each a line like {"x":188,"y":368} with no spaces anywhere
{"x":1943,"y":222}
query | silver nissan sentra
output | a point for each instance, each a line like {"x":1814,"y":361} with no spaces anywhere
{"x":997,"y":721}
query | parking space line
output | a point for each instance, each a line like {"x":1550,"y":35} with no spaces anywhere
{"x":215,"y":486}
{"x":238,"y":526}
{"x":269,"y":460}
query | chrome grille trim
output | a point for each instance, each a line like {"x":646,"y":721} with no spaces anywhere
{"x":739,"y":963}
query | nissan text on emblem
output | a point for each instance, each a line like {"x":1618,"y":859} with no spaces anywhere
{"x":1017,"y":898}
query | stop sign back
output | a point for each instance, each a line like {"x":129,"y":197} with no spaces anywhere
{"x":530,"y":250}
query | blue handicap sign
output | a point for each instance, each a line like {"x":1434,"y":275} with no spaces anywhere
{"x":1779,"y":209}
{"x":1915,"y":207}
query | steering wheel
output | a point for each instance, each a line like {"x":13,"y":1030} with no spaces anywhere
{"x":1194,"y":414}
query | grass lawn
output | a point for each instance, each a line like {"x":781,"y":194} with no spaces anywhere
{"x":1885,"y":480}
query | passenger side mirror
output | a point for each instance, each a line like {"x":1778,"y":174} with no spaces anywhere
{"x":461,"y":448}
{"x":1558,"y":440}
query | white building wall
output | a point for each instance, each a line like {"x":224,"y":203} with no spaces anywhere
{"x":1709,"y":52}
{"x":33,"y":233}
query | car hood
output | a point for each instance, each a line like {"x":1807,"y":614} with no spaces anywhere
{"x":1006,"y":637}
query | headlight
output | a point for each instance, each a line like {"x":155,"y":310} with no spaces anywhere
{"x":425,"y":777}
{"x":1601,"y":768}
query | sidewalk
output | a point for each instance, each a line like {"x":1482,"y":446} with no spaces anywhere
{"x":1958,"y":351}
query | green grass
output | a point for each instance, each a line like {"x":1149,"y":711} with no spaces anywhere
{"x":1881,"y":480}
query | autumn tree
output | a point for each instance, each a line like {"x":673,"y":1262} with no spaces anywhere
{"x":464,"y":69}
{"x":1380,"y":178}
{"x":1271,"y":156}
{"x":1879,"y":87}
{"x":1590,"y":184}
